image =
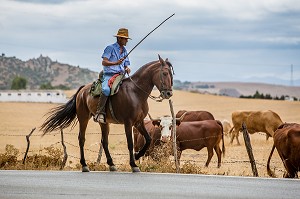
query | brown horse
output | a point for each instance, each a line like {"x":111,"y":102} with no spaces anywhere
{"x":129,"y":107}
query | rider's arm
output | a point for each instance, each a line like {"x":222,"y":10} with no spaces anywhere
{"x":106,"y":62}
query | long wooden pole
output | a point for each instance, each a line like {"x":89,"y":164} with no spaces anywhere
{"x":174,"y":136}
{"x":148,"y":35}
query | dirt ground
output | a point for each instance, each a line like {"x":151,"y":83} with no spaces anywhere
{"x":18,"y":119}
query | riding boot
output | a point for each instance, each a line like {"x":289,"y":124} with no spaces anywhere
{"x":100,"y":113}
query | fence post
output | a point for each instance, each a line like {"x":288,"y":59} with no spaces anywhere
{"x":28,"y":144}
{"x":100,"y":153}
{"x":65,"y":150}
{"x":174,"y":136}
{"x":249,"y":149}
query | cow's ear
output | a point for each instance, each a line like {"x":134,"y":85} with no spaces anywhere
{"x":156,"y":122}
{"x":178,"y":122}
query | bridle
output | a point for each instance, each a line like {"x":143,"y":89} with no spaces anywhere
{"x":163,"y":85}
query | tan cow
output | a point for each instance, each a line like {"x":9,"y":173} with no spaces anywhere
{"x":226,"y":127}
{"x":256,"y":121}
{"x":287,"y":142}
{"x":238,"y":117}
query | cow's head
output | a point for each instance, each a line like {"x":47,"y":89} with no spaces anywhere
{"x":165,"y":124}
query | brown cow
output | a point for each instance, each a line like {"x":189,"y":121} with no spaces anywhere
{"x":287,"y":142}
{"x":194,"y":115}
{"x":155,"y":134}
{"x":199,"y":134}
{"x":256,"y":121}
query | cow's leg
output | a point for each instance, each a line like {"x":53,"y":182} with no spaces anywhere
{"x":269,"y":133}
{"x":219,"y":154}
{"x":104,"y":141}
{"x":210,"y":154}
{"x":237,"y":138}
{"x":179,"y":152}
{"x":235,"y":134}
{"x":290,"y":171}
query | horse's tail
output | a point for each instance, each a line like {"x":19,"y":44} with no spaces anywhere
{"x":61,"y":116}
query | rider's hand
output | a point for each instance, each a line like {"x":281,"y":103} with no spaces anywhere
{"x":120,"y":61}
{"x":127,"y":70}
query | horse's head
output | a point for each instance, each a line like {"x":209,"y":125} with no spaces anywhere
{"x":163,"y":79}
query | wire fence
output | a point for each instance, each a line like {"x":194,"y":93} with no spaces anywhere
{"x":187,"y":157}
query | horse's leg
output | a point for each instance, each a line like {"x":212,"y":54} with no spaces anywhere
{"x":81,"y":139}
{"x":141,"y":127}
{"x":104,"y":141}
{"x":128,"y":131}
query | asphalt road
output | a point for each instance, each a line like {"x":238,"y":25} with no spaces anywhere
{"x":73,"y":184}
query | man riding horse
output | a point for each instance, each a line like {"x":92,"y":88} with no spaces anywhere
{"x":115,"y":61}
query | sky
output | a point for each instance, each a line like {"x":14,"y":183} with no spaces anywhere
{"x":206,"y":41}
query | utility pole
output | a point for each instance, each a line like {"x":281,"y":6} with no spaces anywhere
{"x":292,"y":81}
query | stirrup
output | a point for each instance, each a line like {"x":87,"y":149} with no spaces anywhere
{"x":100,"y":118}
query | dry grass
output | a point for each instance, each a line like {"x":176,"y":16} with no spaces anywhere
{"x":18,"y":119}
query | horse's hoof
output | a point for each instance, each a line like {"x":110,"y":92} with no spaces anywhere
{"x":113,"y":168}
{"x":136,"y":157}
{"x":85,"y":169}
{"x":135,"y":169}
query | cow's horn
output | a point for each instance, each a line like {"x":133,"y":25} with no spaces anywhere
{"x":181,"y":117}
{"x":152,"y":118}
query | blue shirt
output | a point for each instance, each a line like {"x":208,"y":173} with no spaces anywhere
{"x":112,"y":53}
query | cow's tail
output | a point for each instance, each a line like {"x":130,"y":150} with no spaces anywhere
{"x":223,"y":145}
{"x":270,"y":172}
{"x":61,"y":116}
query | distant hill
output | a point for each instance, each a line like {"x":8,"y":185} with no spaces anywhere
{"x":41,"y":71}
{"x":236,"y":89}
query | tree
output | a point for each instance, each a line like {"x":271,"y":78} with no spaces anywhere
{"x":18,"y":83}
{"x":46,"y":86}
{"x":257,"y":95}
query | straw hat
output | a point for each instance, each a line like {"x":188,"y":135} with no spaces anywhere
{"x":123,"y":32}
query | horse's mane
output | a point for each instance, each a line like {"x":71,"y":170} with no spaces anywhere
{"x":145,"y":66}
{"x":157,"y":61}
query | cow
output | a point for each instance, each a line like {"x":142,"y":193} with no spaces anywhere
{"x":156,"y":128}
{"x":226,"y":127}
{"x":199,"y":134}
{"x":238,"y":117}
{"x":194,"y":115}
{"x":256,"y":121}
{"x":155,"y":133}
{"x":287,"y":142}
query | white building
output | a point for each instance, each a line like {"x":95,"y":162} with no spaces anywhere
{"x":52,"y":96}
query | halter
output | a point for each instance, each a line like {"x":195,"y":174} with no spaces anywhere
{"x":159,"y":98}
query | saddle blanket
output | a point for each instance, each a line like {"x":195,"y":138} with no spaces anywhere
{"x":114,"y":84}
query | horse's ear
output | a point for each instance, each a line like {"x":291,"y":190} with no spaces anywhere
{"x":161,"y":60}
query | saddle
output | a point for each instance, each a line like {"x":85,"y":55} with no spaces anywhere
{"x":114,"y":84}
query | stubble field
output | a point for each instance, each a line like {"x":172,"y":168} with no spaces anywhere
{"x":18,"y":119}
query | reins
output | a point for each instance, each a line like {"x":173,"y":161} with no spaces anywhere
{"x":157,"y":99}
